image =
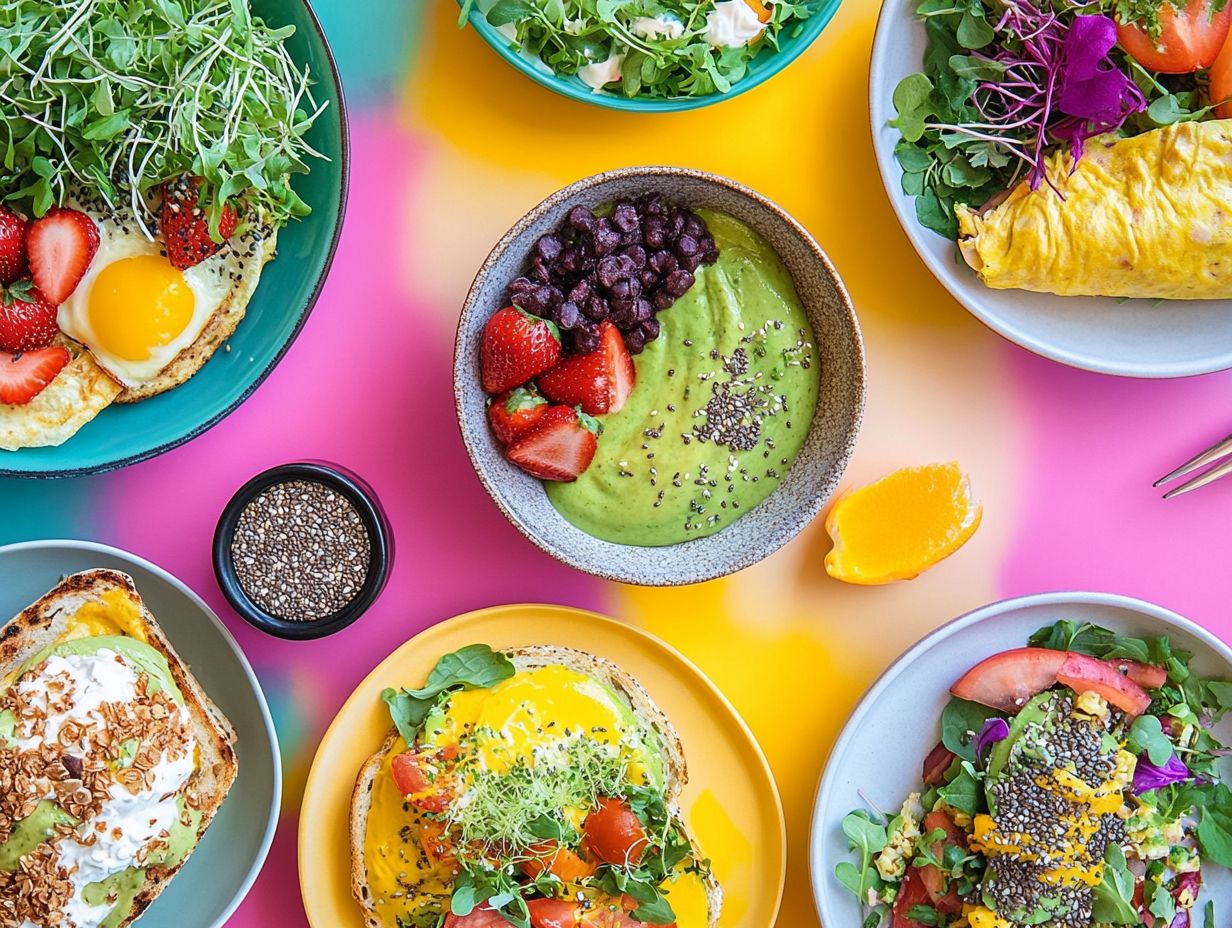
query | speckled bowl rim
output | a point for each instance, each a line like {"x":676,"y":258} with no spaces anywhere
{"x":859,"y":362}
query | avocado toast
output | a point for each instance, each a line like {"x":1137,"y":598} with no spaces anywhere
{"x":536,"y":787}
{"x":1076,"y":784}
{"x":113,"y":761}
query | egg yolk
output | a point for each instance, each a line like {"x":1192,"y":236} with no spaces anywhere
{"x":139,"y":304}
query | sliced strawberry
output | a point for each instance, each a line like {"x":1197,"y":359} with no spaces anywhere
{"x":516,"y":346}
{"x":599,"y":381}
{"x":12,"y":246}
{"x":185,"y":223}
{"x":60,"y":247}
{"x":26,"y":374}
{"x":27,"y":318}
{"x":1147,"y":676}
{"x":514,"y":413}
{"x":560,"y":447}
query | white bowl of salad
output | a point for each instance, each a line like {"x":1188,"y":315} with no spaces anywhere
{"x":1057,"y":164}
{"x":1056,"y":760}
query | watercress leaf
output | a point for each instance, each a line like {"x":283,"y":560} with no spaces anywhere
{"x":976,"y":68}
{"x":913,"y":158}
{"x":936,"y":215}
{"x":504,"y":12}
{"x":974,"y":31}
{"x":913,"y":105}
{"x":1147,"y":734}
{"x":913,"y":184}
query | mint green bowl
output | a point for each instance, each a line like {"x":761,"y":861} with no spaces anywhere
{"x":763,"y":67}
{"x":290,"y":284}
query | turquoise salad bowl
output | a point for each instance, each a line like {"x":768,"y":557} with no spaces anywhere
{"x":290,"y":284}
{"x":769,"y":62}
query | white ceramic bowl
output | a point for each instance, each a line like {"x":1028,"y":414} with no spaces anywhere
{"x":1139,"y":338}
{"x":224,"y":866}
{"x":882,"y":747}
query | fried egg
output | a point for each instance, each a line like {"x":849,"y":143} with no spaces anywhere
{"x":134,"y":311}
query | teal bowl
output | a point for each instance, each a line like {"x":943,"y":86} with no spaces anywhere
{"x":290,"y":284}
{"x":763,"y":67}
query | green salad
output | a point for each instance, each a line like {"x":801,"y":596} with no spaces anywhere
{"x":646,"y":48}
{"x":117,"y":97}
{"x":1076,"y":784}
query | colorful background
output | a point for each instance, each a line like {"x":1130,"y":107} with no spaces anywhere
{"x":450,"y":148}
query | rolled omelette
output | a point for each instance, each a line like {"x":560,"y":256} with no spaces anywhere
{"x":1148,"y":216}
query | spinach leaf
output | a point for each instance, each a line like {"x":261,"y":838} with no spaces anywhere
{"x":963,"y":793}
{"x":1147,"y":735}
{"x":961,"y":722}
{"x":475,"y":666}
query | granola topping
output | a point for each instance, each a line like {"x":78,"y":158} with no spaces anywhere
{"x":112,"y":750}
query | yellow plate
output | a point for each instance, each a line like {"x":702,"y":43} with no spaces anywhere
{"x":731,"y":802}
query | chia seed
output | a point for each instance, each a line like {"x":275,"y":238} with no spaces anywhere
{"x":301,"y":551}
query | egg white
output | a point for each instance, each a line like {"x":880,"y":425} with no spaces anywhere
{"x":211,"y":283}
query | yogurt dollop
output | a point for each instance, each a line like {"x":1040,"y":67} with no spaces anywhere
{"x":732,"y":24}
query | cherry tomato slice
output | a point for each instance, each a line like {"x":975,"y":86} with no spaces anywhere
{"x":614,"y":834}
{"x":1190,"y":40}
{"x":420,"y":777}
{"x":567,"y":865}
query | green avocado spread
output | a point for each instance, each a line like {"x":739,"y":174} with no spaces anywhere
{"x":724,"y":400}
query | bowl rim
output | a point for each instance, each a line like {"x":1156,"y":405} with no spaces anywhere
{"x":814,"y":26}
{"x":344,"y":169}
{"x":947,"y":272}
{"x":819,"y":875}
{"x":859,"y":361}
{"x":367,"y":504}
{"x":254,"y":683}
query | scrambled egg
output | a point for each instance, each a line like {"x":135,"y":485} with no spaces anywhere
{"x":1140,"y":217}
{"x":892,"y":861}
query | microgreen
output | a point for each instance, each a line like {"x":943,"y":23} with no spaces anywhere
{"x":566,"y":35}
{"x":115,"y":97}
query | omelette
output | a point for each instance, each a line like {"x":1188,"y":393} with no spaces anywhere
{"x":1141,"y":217}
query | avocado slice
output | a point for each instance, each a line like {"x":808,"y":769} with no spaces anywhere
{"x":1035,"y":712}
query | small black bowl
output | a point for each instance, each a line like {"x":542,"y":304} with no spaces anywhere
{"x":380,"y":538}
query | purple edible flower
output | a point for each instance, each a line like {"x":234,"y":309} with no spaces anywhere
{"x":1147,"y":776}
{"x":1096,"y":95}
{"x":994,"y":730}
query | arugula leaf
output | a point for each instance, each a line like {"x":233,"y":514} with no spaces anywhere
{"x":1159,"y":900}
{"x":655,"y":912}
{"x":865,"y":835}
{"x":974,"y":32}
{"x":1113,"y":899}
{"x":961,"y":721}
{"x":925,"y":915}
{"x":1215,"y":827}
{"x":1146,"y":734}
{"x":1067,"y":635}
{"x":475,"y":666}
{"x":1208,"y":920}
{"x":868,"y":838}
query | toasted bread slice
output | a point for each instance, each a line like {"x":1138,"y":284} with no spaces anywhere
{"x":38,"y":626}
{"x":675,"y":769}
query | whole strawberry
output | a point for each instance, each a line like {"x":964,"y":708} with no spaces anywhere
{"x":12,"y":246}
{"x":516,"y":346}
{"x":27,"y":318}
{"x":185,"y":224}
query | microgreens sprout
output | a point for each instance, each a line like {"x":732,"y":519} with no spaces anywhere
{"x":115,"y":97}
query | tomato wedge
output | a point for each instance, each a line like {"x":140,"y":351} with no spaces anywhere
{"x":614,"y":834}
{"x":946,"y":901}
{"x":1221,"y":81}
{"x":567,"y":865}
{"x":1082,"y":674}
{"x":1190,"y":38}
{"x":564,"y":913}
{"x":480,"y":918}
{"x":1147,"y":676}
{"x":421,"y":779}
{"x":1007,"y":680}
{"x":936,"y":764}
{"x":913,"y":892}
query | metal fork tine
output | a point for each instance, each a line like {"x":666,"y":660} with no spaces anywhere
{"x":1206,"y":457}
{"x":1221,"y":470}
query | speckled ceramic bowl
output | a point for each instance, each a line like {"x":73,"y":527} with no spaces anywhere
{"x":811,"y":478}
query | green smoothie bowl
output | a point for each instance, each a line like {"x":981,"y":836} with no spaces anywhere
{"x":278,"y":152}
{"x":660,"y":57}
{"x":659,"y":376}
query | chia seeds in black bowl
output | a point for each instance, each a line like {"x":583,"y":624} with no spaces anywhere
{"x":303,"y":550}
